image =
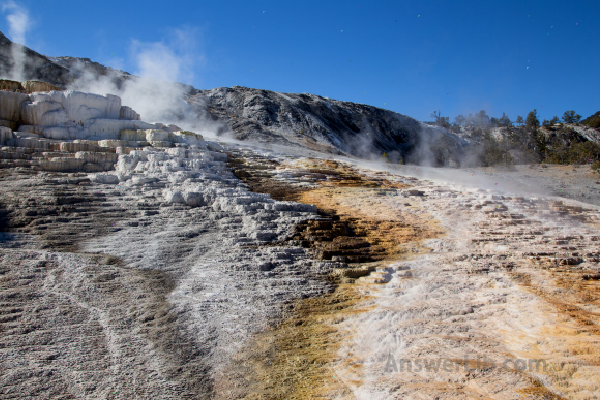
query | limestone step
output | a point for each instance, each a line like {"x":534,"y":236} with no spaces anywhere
{"x":9,"y":155}
{"x":73,"y":147}
{"x":10,"y":163}
{"x":375,"y":279}
{"x":50,"y":154}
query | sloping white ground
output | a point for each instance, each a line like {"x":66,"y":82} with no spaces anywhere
{"x":209,"y":233}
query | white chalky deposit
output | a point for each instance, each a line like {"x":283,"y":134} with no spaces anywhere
{"x":92,"y":126}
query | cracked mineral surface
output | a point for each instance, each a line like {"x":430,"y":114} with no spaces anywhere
{"x":156,"y":265}
{"x":494,"y":295}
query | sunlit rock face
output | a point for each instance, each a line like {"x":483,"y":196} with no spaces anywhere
{"x":71,"y":115}
{"x":74,"y":131}
{"x":319,"y":123}
{"x":73,"y":106}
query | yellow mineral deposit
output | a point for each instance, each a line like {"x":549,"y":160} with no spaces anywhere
{"x":435,"y":275}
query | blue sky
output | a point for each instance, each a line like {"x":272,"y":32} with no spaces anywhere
{"x":412,"y":57}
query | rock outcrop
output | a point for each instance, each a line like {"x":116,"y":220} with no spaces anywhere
{"x":70,"y":131}
{"x":27,"y":86}
{"x":319,"y":123}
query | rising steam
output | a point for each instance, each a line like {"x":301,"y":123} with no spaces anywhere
{"x":18,"y":21}
{"x":154,"y":92}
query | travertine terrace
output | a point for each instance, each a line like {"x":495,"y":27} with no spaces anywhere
{"x":486,"y":276}
{"x":168,"y":266}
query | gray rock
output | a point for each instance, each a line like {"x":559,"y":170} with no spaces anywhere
{"x":104,"y":178}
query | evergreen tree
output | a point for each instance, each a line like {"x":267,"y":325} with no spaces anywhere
{"x":570,"y":117}
{"x":504,"y":120}
{"x":445,"y":122}
{"x":460,"y":119}
{"x":482,"y":118}
{"x":532,"y":123}
{"x":471,"y":120}
{"x":519,"y":120}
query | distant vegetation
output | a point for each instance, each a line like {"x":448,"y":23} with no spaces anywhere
{"x":593,"y":121}
{"x":525,"y":140}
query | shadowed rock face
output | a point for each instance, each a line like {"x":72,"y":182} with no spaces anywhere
{"x":37,"y":66}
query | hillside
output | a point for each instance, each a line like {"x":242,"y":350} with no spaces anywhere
{"x":303,"y":120}
{"x":592,"y":120}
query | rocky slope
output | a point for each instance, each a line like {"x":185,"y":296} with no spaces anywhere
{"x":316,"y":122}
{"x":28,"y":64}
{"x":304,"y":120}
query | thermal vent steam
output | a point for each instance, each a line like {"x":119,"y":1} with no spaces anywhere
{"x":18,"y":21}
{"x":152,"y":91}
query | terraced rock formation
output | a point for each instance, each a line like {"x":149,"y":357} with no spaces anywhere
{"x":503,"y":303}
{"x":169,"y":278}
{"x":75,"y":131}
{"x":147,"y":279}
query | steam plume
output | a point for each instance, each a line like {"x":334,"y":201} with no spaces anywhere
{"x":18,"y":20}
{"x":154,"y":93}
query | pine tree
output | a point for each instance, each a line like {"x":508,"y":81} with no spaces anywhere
{"x":459,"y":119}
{"x":482,"y":118}
{"x":570,"y":117}
{"x":504,"y":120}
{"x":533,"y":123}
{"x":519,"y":120}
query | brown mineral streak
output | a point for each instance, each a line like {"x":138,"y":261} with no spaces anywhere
{"x":362,"y":227}
{"x":290,"y":361}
